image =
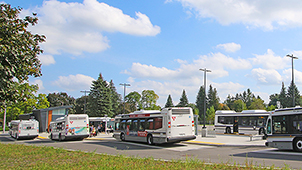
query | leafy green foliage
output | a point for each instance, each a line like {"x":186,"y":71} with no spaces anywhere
{"x":19,"y":50}
{"x":28,"y":104}
{"x":133,"y":100}
{"x":148,"y":100}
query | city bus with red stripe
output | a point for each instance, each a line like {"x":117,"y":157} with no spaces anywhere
{"x":169,"y":125}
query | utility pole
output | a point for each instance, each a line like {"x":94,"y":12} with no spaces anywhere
{"x":124,"y":84}
{"x":85,"y":91}
{"x":292,"y":57}
{"x":204,"y":102}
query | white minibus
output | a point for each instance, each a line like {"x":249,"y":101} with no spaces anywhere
{"x":24,"y":129}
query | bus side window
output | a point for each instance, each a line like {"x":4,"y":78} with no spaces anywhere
{"x":158,"y":122}
{"x":129,"y":124}
{"x":123,"y":125}
{"x":134,"y":125}
{"x":141,"y":125}
{"x":149,"y":124}
{"x":117,"y":124}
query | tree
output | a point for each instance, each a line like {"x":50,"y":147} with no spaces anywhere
{"x":30,"y":102}
{"x":148,"y":100}
{"x":183,"y":100}
{"x":19,"y":51}
{"x":99,"y":103}
{"x":133,"y":100}
{"x":169,"y":102}
{"x":283,"y":97}
{"x":239,"y":105}
{"x":80,"y":104}
{"x":257,"y":103}
{"x":210,"y":117}
{"x":273,"y":99}
{"x":60,"y":99}
{"x":213,"y":99}
{"x":115,"y":98}
{"x":292,"y":89}
{"x":200,"y":102}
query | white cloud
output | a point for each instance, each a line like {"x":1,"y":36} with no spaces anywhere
{"x":229,"y":47}
{"x":217,"y":63}
{"x":270,"y":60}
{"x":288,"y":76}
{"x":265,"y":14}
{"x":74,"y":82}
{"x":78,"y":27}
{"x":47,"y":59}
{"x":264,"y":76}
{"x":38,"y":82}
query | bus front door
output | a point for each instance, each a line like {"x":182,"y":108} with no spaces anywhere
{"x":235,"y":125}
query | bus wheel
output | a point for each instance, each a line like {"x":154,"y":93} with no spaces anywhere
{"x":51,"y":136}
{"x":122,"y":137}
{"x":16,"y":136}
{"x":61,"y":137}
{"x":297,"y":144}
{"x":261,"y":131}
{"x":150,"y":140}
{"x":228,"y":130}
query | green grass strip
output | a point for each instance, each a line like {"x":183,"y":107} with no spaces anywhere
{"x":15,"y":156}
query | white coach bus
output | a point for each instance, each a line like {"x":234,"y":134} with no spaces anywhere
{"x":156,"y":127}
{"x":284,"y":129}
{"x":24,"y":129}
{"x":73,"y":126}
{"x":247,"y":121}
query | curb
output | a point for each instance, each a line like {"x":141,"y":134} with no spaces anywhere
{"x":220,"y":144}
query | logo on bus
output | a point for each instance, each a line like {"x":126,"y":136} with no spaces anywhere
{"x":71,"y":122}
{"x":174,"y":118}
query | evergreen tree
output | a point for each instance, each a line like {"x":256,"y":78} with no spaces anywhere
{"x":183,"y":100}
{"x":169,"y":102}
{"x":115,"y":99}
{"x":213,"y":99}
{"x":230,"y":102}
{"x":200,"y":102}
{"x":283,"y":97}
{"x":99,"y":103}
{"x":292,"y":89}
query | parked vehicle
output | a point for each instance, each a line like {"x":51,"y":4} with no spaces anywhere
{"x":24,"y":129}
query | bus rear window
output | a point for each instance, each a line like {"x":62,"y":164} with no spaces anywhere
{"x":180,"y":111}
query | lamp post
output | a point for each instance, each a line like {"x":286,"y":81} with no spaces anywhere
{"x":85,"y":91}
{"x":124,"y":84}
{"x":205,"y":92}
{"x":292,"y":57}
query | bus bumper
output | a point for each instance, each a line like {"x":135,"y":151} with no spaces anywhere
{"x":180,"y":138}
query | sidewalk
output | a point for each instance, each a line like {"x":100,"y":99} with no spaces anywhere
{"x":219,"y":140}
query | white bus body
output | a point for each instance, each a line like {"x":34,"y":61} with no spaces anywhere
{"x":73,"y":126}
{"x":24,"y":129}
{"x":284,"y":129}
{"x":248,"y":121}
{"x":156,"y":127}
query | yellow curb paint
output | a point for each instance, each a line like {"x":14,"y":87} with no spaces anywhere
{"x":42,"y":137}
{"x":211,"y":143}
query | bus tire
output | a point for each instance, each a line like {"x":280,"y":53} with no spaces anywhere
{"x":261,"y":131}
{"x":150,"y":140}
{"x":228,"y":130}
{"x":16,"y":136}
{"x":297,"y":144}
{"x":51,"y":136}
{"x":122,"y":137}
{"x":61,"y":137}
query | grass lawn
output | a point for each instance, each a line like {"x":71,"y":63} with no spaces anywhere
{"x":15,"y":156}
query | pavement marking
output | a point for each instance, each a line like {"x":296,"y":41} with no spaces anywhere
{"x":207,"y":143}
{"x":41,"y":137}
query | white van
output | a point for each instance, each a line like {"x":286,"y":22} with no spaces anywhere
{"x":24,"y":129}
{"x":73,"y":126}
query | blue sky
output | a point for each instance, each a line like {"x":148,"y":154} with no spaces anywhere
{"x":160,"y":45}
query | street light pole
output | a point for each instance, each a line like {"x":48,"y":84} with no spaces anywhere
{"x":85,"y":91}
{"x":205,"y":92}
{"x":124,"y":84}
{"x":292,"y":57}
